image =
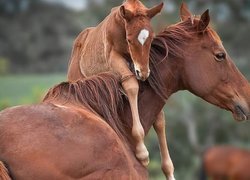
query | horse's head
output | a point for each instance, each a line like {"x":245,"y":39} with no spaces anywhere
{"x":208,"y":70}
{"x":139,"y":34}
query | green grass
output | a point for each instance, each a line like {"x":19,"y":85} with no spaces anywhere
{"x":26,"y":89}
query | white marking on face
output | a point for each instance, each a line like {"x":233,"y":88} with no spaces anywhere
{"x":143,"y":35}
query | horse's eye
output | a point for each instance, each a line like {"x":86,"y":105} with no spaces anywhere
{"x":220,"y":56}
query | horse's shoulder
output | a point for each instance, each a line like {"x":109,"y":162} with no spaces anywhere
{"x":103,"y":142}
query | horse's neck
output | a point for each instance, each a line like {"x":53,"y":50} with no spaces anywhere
{"x":150,"y":103}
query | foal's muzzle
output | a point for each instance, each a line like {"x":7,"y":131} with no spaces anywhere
{"x":140,"y":75}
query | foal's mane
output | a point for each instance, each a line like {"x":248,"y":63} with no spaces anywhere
{"x":100,"y":94}
{"x":169,"y":43}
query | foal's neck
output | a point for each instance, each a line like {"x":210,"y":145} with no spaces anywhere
{"x":116,"y":32}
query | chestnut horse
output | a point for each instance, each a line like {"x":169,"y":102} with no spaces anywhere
{"x":77,"y":133}
{"x":125,"y":32}
{"x":226,"y":163}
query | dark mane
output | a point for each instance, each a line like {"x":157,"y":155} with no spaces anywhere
{"x":169,"y":43}
{"x":100,"y":94}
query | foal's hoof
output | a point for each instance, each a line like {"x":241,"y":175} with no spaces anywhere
{"x":142,"y":154}
{"x":145,"y":162}
{"x":144,"y":159}
{"x":171,"y":177}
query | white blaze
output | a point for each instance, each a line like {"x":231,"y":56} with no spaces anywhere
{"x":143,"y":35}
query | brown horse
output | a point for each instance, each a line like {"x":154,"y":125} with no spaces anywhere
{"x":226,"y":163}
{"x":125,"y":32}
{"x":66,"y":136}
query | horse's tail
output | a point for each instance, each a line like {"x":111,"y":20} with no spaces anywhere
{"x":4,"y":173}
{"x":202,"y":173}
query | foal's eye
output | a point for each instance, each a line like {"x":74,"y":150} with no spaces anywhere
{"x":129,"y":41}
{"x":220,"y":57}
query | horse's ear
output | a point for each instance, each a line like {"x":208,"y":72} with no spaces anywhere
{"x":154,"y":10}
{"x":125,"y":13}
{"x":204,"y":21}
{"x":184,"y":12}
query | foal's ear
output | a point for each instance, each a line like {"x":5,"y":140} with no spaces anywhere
{"x":125,"y":13}
{"x":154,"y":10}
{"x":184,"y":12}
{"x":204,"y":21}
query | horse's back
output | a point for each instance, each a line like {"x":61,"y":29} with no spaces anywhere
{"x":219,"y":161}
{"x":241,"y":170}
{"x":49,"y":142}
{"x":216,"y":161}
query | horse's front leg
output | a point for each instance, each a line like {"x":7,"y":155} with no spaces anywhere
{"x":166,"y":162}
{"x":131,"y":88}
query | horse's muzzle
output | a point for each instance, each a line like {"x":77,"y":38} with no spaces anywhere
{"x":240,"y":113}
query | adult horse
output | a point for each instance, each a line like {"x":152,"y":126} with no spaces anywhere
{"x":65,"y":137}
{"x":226,"y":163}
{"x":126,"y":31}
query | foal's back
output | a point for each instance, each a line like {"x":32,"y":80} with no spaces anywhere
{"x":90,"y":54}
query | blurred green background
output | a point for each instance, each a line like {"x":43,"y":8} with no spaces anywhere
{"x":36,"y":39}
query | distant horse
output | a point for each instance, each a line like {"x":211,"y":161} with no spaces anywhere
{"x":125,"y":32}
{"x":226,"y":163}
{"x":76,"y":133}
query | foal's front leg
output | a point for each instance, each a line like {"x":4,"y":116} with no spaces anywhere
{"x":131,"y":88}
{"x":166,"y":162}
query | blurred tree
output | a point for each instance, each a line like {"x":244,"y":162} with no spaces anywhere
{"x":35,"y":41}
{"x":4,"y":66}
{"x":12,"y":7}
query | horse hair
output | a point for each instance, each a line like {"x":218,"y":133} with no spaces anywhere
{"x":100,"y":94}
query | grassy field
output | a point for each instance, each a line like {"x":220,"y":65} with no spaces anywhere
{"x":26,"y":89}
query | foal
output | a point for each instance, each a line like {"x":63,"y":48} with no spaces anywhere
{"x":126,"y":32}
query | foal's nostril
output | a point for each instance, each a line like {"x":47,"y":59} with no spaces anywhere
{"x":137,"y":73}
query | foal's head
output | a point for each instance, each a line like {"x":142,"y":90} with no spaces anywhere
{"x":139,"y":34}
{"x":208,"y":70}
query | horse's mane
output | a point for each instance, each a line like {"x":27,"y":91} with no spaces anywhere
{"x":100,"y":94}
{"x":169,"y":43}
